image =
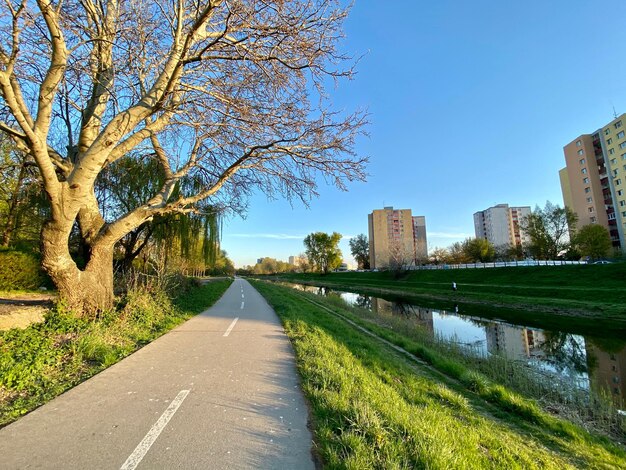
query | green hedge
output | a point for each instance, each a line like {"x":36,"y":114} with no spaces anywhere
{"x":20,"y":271}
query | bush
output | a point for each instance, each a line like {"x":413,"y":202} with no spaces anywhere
{"x":20,"y":271}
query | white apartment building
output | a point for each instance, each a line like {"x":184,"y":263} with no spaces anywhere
{"x":501,"y":225}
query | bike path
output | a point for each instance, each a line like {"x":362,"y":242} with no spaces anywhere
{"x":219,"y":391}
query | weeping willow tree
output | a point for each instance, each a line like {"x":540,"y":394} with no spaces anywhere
{"x":187,"y":242}
{"x":23,"y":206}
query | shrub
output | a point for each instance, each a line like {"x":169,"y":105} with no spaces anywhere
{"x":20,"y":271}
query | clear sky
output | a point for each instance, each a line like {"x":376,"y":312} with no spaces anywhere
{"x":471,"y":104}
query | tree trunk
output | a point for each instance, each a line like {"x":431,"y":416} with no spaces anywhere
{"x":88,"y":291}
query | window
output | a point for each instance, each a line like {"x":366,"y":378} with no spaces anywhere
{"x":609,"y":141}
{"x":620,"y":192}
{"x":579,"y":143}
{"x":624,"y":156}
{"x":582,"y":161}
{"x":585,"y":180}
{"x":611,"y":151}
{"x":618,"y":124}
{"x":618,"y":181}
{"x":624,"y":214}
{"x":613,"y":161}
{"x":620,"y":135}
{"x":589,"y":199}
{"x":592,"y":220}
{"x":607,"y":131}
{"x":587,"y":190}
{"x":614,"y":172}
{"x":624,"y":167}
{"x":622,"y":145}
{"x":584,"y":171}
{"x":622,"y":203}
{"x":590,"y":209}
{"x":581,"y":152}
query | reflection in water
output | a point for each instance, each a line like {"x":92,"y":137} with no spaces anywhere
{"x":608,"y":373}
{"x":579,"y":360}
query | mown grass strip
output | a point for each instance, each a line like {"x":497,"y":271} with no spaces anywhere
{"x":373,"y":409}
{"x":46,"y":359}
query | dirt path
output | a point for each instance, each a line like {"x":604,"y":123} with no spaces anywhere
{"x":21,"y":309}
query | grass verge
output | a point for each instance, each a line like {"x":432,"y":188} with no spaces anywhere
{"x":373,"y":408}
{"x":46,"y":359}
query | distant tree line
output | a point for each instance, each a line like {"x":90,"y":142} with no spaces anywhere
{"x":552,"y":234}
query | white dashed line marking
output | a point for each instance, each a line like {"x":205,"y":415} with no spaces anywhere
{"x":232,"y":325}
{"x":140,"y":451}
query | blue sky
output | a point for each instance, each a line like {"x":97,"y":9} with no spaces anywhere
{"x":471,"y":104}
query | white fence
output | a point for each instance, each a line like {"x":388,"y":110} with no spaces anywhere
{"x":496,"y":264}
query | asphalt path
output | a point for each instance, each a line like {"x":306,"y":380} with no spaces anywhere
{"x":220,"y":391}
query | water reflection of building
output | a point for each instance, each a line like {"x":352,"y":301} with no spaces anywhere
{"x":421,"y":317}
{"x":607,"y":372}
{"x":513,"y":341}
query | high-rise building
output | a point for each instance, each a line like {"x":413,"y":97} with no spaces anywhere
{"x":501,"y":225}
{"x":593,"y":181}
{"x":396,"y":237}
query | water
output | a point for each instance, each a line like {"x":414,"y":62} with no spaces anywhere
{"x":582,"y":361}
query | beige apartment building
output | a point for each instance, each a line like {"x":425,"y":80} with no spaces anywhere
{"x":593,"y":181}
{"x":396,"y":237}
{"x":502,"y":225}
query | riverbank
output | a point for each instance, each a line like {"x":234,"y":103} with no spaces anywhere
{"x":372,"y":407}
{"x":45,"y":359}
{"x":585,"y":292}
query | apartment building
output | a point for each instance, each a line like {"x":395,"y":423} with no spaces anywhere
{"x":501,"y":225}
{"x":593,"y":181}
{"x":395,"y":235}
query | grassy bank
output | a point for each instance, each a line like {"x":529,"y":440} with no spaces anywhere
{"x":584,"y":291}
{"x":45,"y":359}
{"x":373,"y":408}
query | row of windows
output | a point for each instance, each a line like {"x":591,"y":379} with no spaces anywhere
{"x":617,"y":125}
{"x":617,"y":181}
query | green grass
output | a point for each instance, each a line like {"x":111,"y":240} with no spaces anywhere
{"x":373,"y":408}
{"x":585,"y":291}
{"x":44,"y":360}
{"x":554,"y":393}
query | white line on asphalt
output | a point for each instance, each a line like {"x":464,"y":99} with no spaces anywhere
{"x":143,"y":447}
{"x":230,"y":328}
{"x":242,"y":296}
{"x":242,"y":305}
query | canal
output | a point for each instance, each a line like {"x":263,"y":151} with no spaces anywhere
{"x":593,"y":362}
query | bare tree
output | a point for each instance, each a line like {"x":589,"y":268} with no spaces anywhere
{"x":227,"y":96}
{"x":400,"y":256}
